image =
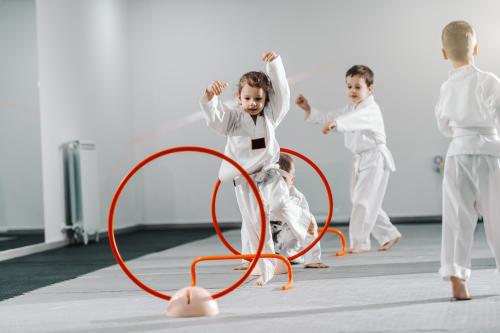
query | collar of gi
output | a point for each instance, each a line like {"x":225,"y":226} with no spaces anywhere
{"x":368,"y":100}
{"x":461,"y":72}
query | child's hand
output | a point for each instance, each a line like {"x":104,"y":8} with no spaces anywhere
{"x":302,"y":102}
{"x":311,"y":230}
{"x":216,"y":88}
{"x":329,"y":126}
{"x":269,"y":56}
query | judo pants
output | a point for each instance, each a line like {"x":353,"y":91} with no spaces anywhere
{"x":368,"y":186}
{"x":271,"y":191}
{"x":471,"y":187}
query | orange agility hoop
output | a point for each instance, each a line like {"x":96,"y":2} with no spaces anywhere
{"x":321,"y":231}
{"x":114,"y":202}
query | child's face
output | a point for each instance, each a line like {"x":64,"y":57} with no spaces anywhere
{"x":290,"y":177}
{"x":252,"y":99}
{"x":357,"y":90}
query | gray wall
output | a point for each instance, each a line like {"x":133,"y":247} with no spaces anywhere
{"x":180,"y":47}
{"x":20,"y":157}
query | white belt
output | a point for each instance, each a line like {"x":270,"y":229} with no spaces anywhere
{"x":258,"y":176}
{"x":473,"y":131}
{"x":386,"y":154}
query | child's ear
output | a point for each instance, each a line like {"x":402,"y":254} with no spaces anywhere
{"x":445,"y":54}
{"x":370,"y":88}
{"x":238,"y":97}
{"x":474,"y":52}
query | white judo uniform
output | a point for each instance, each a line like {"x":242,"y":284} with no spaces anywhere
{"x":364,"y":135}
{"x":286,"y":240}
{"x":255,"y":148}
{"x":468,"y":111}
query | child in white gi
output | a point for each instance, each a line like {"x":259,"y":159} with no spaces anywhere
{"x":263,"y":99}
{"x":468,"y":111}
{"x":286,"y":240}
{"x":362,"y":124}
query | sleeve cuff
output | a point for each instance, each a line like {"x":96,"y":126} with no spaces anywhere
{"x":339,"y":128}
{"x":274,"y":65}
{"x":204,"y":100}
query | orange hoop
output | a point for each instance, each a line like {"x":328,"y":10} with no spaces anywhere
{"x":111,"y":234}
{"x":320,"y":234}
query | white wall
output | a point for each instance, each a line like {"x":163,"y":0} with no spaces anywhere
{"x":85,"y":94}
{"x":128,"y":75}
{"x":20,"y":156}
{"x":179,"y":47}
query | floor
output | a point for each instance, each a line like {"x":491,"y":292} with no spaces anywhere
{"x":15,"y":240}
{"x":394,"y":291}
{"x":23,"y":274}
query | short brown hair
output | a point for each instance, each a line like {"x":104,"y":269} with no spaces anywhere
{"x":285,"y":162}
{"x":364,"y":71}
{"x":459,"y":39}
{"x":256,"y":80}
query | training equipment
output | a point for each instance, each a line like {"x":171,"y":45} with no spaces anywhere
{"x":192,"y":305}
{"x":321,"y":231}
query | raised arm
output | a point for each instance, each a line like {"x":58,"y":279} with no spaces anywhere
{"x":312,"y":115}
{"x":327,"y":120}
{"x":279,"y":98}
{"x":217,"y":115}
{"x":363,"y":119}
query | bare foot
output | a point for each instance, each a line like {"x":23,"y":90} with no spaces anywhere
{"x":242,"y":267}
{"x":353,"y":250}
{"x":316,"y":265}
{"x":389,"y":244}
{"x":459,"y":289}
{"x":259,"y":282}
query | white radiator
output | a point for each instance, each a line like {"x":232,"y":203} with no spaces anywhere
{"x":81,"y":185}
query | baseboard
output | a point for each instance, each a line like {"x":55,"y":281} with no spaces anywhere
{"x":20,"y":232}
{"x":416,"y":219}
{"x":31,"y":249}
{"x":341,"y":221}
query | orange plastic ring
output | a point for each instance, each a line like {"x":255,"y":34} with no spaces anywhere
{"x":116,"y":196}
{"x":325,"y":227}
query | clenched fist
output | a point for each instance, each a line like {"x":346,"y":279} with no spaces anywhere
{"x":302,"y":102}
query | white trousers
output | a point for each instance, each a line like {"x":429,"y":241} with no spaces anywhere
{"x":287,"y":244}
{"x":368,"y":186}
{"x":275,"y":195}
{"x":471,"y":187}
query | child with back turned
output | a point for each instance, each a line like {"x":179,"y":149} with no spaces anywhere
{"x":468,"y":112}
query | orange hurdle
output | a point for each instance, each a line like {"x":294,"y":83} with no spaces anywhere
{"x":248,"y":257}
{"x":338,"y":233}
